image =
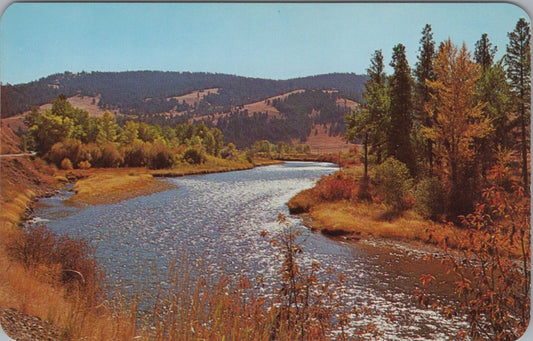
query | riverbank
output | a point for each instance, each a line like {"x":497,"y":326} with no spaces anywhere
{"x":37,"y":291}
{"x":370,"y":220}
{"x":101,"y":186}
{"x":334,"y":207}
{"x":104,"y":186}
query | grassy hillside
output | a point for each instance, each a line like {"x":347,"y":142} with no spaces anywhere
{"x":151,"y":92}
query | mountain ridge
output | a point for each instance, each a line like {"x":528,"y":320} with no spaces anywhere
{"x":127,"y":91}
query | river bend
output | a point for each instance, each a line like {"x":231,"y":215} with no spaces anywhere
{"x":219,"y":218}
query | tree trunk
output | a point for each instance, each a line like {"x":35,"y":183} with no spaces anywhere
{"x":525,"y":177}
{"x":365,"y":144}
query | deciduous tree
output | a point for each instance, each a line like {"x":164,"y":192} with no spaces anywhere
{"x":458,"y":121}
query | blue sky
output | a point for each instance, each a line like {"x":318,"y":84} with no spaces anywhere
{"x":277,"y":41}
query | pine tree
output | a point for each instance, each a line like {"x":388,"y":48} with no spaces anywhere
{"x":424,"y":72}
{"x":492,"y":88}
{"x":368,"y":124}
{"x":401,"y":122}
{"x":518,"y":62}
{"x":484,"y":52}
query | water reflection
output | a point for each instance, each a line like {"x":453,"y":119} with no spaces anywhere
{"x":219,"y":218}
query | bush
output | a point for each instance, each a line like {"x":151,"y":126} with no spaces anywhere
{"x":37,"y":246}
{"x":161,"y":157}
{"x":66,"y":164}
{"x":335,"y":187}
{"x":108,"y":156}
{"x":394,"y":183}
{"x":71,"y":149}
{"x":194,"y":156}
{"x":137,"y":154}
{"x":228,"y":151}
{"x":84,"y":165}
{"x":363,"y":191}
{"x":429,"y":198}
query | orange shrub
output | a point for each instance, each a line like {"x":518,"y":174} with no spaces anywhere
{"x":66,"y":164}
{"x":336,"y":187}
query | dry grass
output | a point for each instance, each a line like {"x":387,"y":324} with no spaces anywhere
{"x":37,"y":292}
{"x":321,"y":142}
{"x":114,"y":186}
{"x":373,"y":220}
{"x":356,"y":218}
{"x":14,"y":206}
{"x":369,"y":220}
{"x":194,"y":97}
{"x":31,"y":292}
{"x":110,"y":185}
{"x":81,"y":102}
{"x":15,"y":123}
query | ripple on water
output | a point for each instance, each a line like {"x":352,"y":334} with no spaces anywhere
{"x":219,"y":218}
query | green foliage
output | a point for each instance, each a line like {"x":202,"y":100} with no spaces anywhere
{"x":107,"y":128}
{"x":424,"y":72}
{"x":492,"y":87}
{"x":369,"y":125}
{"x":401,"y":122}
{"x":194,"y":156}
{"x":484,"y":52}
{"x":394,"y":183}
{"x":429,"y":198}
{"x":264,"y":146}
{"x":67,"y":132}
{"x":228,"y":151}
{"x":518,"y":62}
{"x":48,"y":129}
{"x":295,"y":121}
{"x":129,"y":91}
{"x":130,"y":133}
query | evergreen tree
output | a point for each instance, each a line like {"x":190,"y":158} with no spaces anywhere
{"x":484,"y":52}
{"x":518,"y":61}
{"x":423,"y":73}
{"x":401,"y":122}
{"x":368,"y":124}
{"x":376,"y":71}
{"x":492,"y":88}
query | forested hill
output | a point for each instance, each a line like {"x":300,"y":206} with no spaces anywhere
{"x":148,"y":92}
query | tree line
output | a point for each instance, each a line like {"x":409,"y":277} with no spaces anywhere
{"x":70,"y":138}
{"x":452,"y":118}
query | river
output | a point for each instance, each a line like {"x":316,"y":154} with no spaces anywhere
{"x":219,"y":218}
